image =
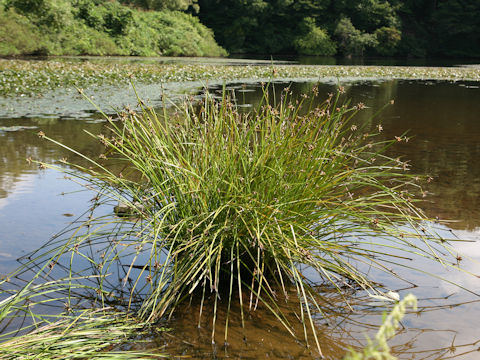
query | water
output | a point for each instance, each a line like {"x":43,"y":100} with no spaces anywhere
{"x":443,"y":123}
{"x":255,"y":59}
{"x":393,"y":61}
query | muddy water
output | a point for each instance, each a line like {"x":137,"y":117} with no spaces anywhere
{"x":443,"y":123}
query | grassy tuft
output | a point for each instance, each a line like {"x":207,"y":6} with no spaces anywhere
{"x":244,"y":207}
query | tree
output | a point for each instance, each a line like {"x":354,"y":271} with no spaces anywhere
{"x":50,"y":13}
{"x":314,"y":41}
{"x":352,"y":41}
{"x":387,"y":40}
{"x":457,"y":27}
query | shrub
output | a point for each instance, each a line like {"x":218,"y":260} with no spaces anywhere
{"x":164,"y":4}
{"x":117,"y":19}
{"x":315,"y":41}
{"x":17,"y":35}
{"x":352,"y":41}
{"x":181,"y":34}
{"x":387,"y":40}
{"x":90,"y":27}
{"x":53,"y":15}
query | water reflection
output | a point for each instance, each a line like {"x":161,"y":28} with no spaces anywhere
{"x":22,"y":143}
{"x":444,"y":127}
{"x":442,"y":119}
{"x":380,"y":61}
{"x":443,"y":122}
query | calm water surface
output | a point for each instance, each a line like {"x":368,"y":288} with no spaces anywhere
{"x":443,"y":122}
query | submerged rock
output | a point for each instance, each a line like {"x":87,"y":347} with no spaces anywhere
{"x":127,"y":210}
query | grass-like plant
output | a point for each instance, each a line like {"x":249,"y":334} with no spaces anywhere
{"x":245,"y":207}
{"x":88,"y":333}
{"x":92,"y":334}
{"x":378,"y":348}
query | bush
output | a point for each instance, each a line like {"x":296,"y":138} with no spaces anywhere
{"x":89,"y":13}
{"x":117,"y":19}
{"x":164,"y":4}
{"x":315,"y":41}
{"x":172,"y":33}
{"x":17,"y":35}
{"x":82,"y":40}
{"x":387,"y":40}
{"x":352,"y":41}
{"x":51,"y":14}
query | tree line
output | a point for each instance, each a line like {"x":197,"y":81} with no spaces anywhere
{"x":415,"y":28}
{"x":346,"y":27}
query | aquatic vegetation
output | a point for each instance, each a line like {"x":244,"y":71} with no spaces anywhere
{"x":31,"y":78}
{"x":76,"y":333}
{"x":90,"y":335}
{"x":244,"y":208}
{"x":378,"y":348}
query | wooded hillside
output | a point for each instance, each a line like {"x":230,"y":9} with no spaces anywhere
{"x":415,"y":28}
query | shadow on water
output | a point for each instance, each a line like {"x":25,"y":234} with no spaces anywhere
{"x":378,"y":61}
{"x":443,"y":122}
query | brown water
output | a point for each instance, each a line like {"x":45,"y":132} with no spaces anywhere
{"x":444,"y":124}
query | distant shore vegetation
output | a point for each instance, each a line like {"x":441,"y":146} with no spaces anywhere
{"x":420,"y":28}
{"x":95,"y":27}
{"x":423,"y":28}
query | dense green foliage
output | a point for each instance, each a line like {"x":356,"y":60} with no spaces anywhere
{"x":315,"y":41}
{"x":172,"y":27}
{"x":374,"y":27}
{"x":96,"y":27}
{"x":164,"y":4}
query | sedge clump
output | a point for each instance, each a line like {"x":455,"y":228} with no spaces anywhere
{"x":249,"y":207}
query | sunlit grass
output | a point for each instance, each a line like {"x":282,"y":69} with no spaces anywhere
{"x":91,"y":335}
{"x":75,"y":333}
{"x":378,"y":347}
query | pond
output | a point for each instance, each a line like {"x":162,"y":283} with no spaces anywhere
{"x":443,"y":124}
